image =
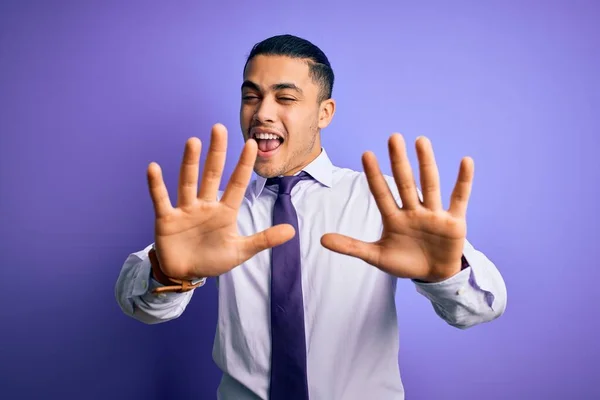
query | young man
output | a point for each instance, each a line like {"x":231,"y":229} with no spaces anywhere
{"x":306,"y":256}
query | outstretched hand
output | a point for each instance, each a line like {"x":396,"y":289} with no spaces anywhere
{"x":420,"y":240}
{"x":199,"y":237}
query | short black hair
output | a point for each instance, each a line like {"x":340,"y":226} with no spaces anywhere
{"x":293,"y":46}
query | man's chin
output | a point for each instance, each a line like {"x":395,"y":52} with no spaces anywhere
{"x":266,"y":174}
{"x":266,"y":169}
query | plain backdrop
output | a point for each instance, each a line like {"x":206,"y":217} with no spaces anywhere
{"x":91,"y":92}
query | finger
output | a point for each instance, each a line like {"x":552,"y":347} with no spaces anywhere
{"x":266,"y":239}
{"x":403,"y":172}
{"x":429,"y":174}
{"x":188,"y":173}
{"x":462,"y":190}
{"x":215,"y":162}
{"x":342,"y":244}
{"x":236,"y":187}
{"x":378,"y":185}
{"x":158,"y":191}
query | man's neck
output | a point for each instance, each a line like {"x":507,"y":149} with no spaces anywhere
{"x":309,"y":160}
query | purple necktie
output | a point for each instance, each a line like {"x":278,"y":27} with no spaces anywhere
{"x":288,"y":343}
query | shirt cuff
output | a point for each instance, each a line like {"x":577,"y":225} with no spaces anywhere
{"x":467,"y":280}
{"x":141,"y":281}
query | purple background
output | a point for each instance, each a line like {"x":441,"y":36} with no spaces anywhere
{"x":90,"y":94}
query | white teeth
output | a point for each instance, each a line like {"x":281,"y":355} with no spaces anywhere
{"x":266,"y":136}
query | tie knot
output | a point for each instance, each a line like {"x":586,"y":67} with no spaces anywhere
{"x":287,"y":183}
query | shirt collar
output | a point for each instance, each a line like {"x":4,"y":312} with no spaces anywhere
{"x":321,"y":169}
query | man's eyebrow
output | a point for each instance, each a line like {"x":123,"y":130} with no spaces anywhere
{"x":250,"y":85}
{"x":278,"y":86}
{"x":286,"y":85}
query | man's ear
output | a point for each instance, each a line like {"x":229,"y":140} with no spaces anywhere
{"x":326,"y":111}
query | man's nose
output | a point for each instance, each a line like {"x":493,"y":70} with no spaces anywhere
{"x":266,"y":111}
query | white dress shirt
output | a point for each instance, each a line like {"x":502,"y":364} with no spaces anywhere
{"x":350,"y":311}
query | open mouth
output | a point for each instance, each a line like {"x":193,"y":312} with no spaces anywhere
{"x":268,"y":143}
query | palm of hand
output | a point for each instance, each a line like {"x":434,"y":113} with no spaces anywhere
{"x":420,"y":240}
{"x":206,"y":229}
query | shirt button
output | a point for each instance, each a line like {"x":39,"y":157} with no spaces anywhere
{"x":460,"y":291}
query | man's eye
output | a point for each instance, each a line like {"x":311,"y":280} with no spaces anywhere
{"x":286,"y":99}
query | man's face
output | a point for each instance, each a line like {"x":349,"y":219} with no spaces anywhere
{"x":281,"y":111}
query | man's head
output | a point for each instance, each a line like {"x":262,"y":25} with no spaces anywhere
{"x":286,"y":101}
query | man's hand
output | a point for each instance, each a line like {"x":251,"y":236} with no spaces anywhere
{"x":199,"y":238}
{"x":420,"y":240}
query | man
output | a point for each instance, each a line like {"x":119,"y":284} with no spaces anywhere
{"x":306,"y":257}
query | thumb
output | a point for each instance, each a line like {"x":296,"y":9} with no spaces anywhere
{"x":342,"y":244}
{"x":266,"y":239}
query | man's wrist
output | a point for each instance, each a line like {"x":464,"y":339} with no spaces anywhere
{"x":155,"y":271}
{"x":440,"y":278}
{"x":169,"y":284}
